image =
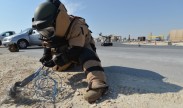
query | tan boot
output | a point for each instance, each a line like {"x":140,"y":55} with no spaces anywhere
{"x":95,"y":90}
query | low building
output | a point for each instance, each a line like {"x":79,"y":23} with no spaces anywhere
{"x":115,"y":38}
{"x":142,"y":38}
{"x":176,"y":35}
{"x":155,"y":38}
{"x":112,"y":38}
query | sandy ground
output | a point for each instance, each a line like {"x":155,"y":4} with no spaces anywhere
{"x":125,"y":90}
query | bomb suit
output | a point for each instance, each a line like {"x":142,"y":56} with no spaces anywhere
{"x":67,"y":40}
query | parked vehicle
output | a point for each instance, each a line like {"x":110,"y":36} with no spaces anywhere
{"x":27,"y":37}
{"x":5,"y":34}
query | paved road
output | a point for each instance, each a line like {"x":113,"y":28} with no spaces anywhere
{"x":166,"y":61}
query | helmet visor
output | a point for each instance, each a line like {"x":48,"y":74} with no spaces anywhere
{"x":38,"y":24}
{"x":41,"y":24}
{"x":47,"y":33}
{"x":48,"y":36}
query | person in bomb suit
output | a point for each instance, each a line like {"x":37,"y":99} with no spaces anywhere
{"x":66,"y":40}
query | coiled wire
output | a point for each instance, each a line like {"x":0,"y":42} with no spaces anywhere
{"x":44,"y":86}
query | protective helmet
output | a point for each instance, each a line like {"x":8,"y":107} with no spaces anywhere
{"x":51,"y":21}
{"x":44,"y":16}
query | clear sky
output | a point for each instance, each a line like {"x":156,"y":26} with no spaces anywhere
{"x":118,"y":17}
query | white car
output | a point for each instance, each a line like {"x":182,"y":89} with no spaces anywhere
{"x":23,"y":39}
{"x":5,"y":34}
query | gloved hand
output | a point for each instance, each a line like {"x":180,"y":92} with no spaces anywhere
{"x":49,"y":63}
{"x":61,"y":60}
{"x":45,"y":58}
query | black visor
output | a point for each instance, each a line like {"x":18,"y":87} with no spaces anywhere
{"x":47,"y":32}
{"x":42,"y":24}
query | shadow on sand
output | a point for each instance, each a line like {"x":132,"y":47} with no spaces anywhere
{"x":127,"y":81}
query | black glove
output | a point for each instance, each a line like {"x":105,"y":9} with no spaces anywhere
{"x":45,"y":58}
{"x":61,"y":60}
{"x":50,"y":63}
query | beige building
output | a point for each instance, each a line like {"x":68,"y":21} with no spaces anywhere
{"x":115,"y":38}
{"x":176,"y":35}
{"x":111,"y":38}
{"x":159,"y":38}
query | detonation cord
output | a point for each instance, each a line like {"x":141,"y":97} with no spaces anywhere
{"x":46,"y":86}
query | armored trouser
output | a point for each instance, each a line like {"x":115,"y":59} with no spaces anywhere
{"x":95,"y":75}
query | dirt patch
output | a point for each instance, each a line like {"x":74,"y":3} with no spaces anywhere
{"x":127,"y":89}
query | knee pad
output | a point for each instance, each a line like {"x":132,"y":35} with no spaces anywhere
{"x":86,"y":55}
